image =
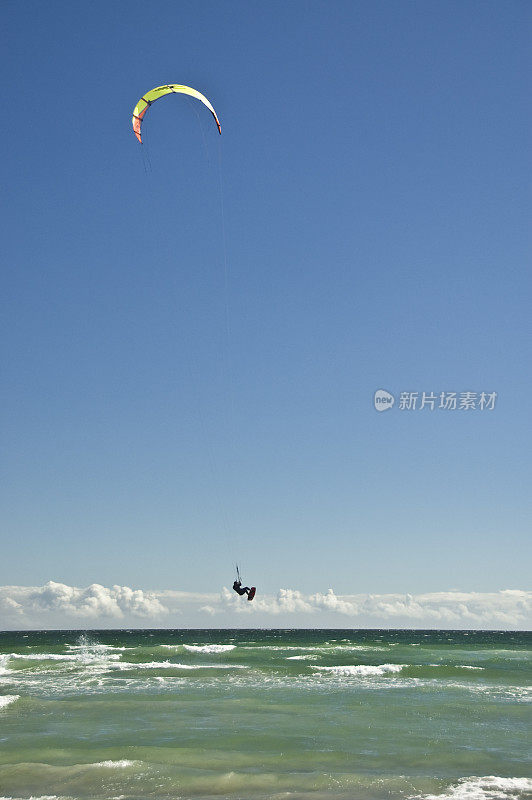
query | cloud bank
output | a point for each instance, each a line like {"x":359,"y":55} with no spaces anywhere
{"x":93,"y":602}
{"x":57,"y":605}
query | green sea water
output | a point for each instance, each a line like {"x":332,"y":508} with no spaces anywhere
{"x":298,"y":714}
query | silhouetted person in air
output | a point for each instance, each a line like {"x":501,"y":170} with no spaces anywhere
{"x":239,"y":589}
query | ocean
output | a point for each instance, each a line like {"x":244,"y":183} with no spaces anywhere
{"x":256,"y":714}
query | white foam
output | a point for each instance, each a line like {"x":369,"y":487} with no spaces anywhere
{"x":265,"y":647}
{"x":209,"y":648}
{"x":362,"y":669}
{"x":44,"y":656}
{"x":467,"y":666}
{"x":518,"y":693}
{"x":124,"y":665}
{"x":487,"y":788}
{"x":82,"y":657}
{"x":41,"y":797}
{"x":103,"y":647}
{"x":123,"y":763}
{"x":310,"y":657}
{"x":7,"y":699}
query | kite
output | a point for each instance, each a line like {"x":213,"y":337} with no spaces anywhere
{"x":171,"y":88}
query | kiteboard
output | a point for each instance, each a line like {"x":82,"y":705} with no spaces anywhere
{"x":251,"y":593}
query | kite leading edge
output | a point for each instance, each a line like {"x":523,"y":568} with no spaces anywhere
{"x":171,"y":88}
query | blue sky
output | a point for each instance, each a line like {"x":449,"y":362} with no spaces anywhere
{"x":374,"y":172}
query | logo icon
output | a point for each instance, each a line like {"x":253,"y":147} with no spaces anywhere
{"x":383,"y":400}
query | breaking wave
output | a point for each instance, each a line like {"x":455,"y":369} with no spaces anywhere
{"x":209,"y":648}
{"x":362,"y":669}
{"x":486,"y":788}
{"x":7,"y":699}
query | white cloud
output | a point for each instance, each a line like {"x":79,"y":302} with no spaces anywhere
{"x":8,"y":605}
{"x":95,"y":601}
{"x":504,"y":609}
{"x":60,"y":605}
{"x":208,"y":610}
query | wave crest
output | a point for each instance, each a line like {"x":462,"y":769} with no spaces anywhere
{"x":362,"y":669}
{"x":490,"y":787}
{"x":209,"y":648}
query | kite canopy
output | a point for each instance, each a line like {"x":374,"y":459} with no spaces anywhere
{"x":171,"y":88}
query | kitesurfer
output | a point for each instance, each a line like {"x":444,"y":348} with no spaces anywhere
{"x":242,"y":590}
{"x":239,"y":589}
